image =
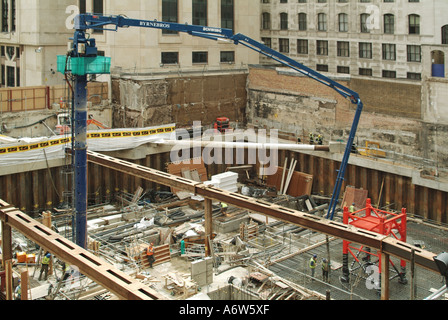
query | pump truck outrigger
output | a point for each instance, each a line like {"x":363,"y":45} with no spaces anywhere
{"x":85,"y":48}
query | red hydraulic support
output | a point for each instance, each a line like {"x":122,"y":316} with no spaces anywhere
{"x":375,"y":220}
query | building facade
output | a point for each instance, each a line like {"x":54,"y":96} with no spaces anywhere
{"x":379,"y":38}
{"x":34,"y":32}
{"x":145,"y":51}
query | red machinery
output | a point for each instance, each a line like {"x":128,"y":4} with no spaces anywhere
{"x":379,"y":221}
{"x":222,"y":125}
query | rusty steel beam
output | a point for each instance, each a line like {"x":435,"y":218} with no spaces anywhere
{"x":350,"y":233}
{"x":93,"y":267}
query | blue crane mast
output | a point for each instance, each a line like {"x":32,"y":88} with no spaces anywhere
{"x":85,"y":48}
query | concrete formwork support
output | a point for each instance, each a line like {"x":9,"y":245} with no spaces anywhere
{"x":6,"y":242}
{"x":208,"y":209}
{"x":8,"y":269}
{"x":24,"y":285}
{"x":384,"y":276}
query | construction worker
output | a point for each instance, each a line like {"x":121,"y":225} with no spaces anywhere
{"x":45,"y":266}
{"x":182,"y":246}
{"x":311,"y":135}
{"x":224,"y":207}
{"x":325,"y":268}
{"x":66,"y":270}
{"x":313,"y":264}
{"x":319,"y":139}
{"x":352,"y":208}
{"x":18,"y":291}
{"x":150,"y":254}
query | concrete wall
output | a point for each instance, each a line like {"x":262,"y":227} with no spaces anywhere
{"x":392,"y":115}
{"x":179,"y":100}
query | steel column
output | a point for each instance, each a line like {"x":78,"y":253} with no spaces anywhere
{"x":80,"y":160}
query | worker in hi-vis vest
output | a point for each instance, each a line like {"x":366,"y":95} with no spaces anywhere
{"x":313,"y":264}
{"x":150,"y":254}
{"x":45,"y":266}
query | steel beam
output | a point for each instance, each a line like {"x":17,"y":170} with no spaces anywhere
{"x":350,"y":233}
{"x":88,"y":264}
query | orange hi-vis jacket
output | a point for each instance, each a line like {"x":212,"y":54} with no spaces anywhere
{"x":150,"y":251}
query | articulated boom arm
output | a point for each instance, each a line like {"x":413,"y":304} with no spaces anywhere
{"x":84,"y":22}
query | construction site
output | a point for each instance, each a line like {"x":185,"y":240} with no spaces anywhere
{"x":263,"y":183}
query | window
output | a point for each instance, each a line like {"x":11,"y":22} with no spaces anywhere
{"x":283,"y":21}
{"x":365,"y":72}
{"x":322,"y":47}
{"x":302,"y":46}
{"x":98,"y":8}
{"x":10,"y":77}
{"x":200,"y":57}
{"x":283,"y":1}
{"x":364,"y":27}
{"x":302,"y":1}
{"x":322,"y":22}
{"x":445,"y":34}
{"x":389,"y":51}
{"x":169,"y":14}
{"x":170,"y":57}
{"x":414,"y":53}
{"x":389,"y":74}
{"x":82,"y":6}
{"x":365,"y":50}
{"x":322,"y":67}
{"x":200,"y":12}
{"x":389,"y":23}
{"x":266,"y":20}
{"x":10,"y":62}
{"x":321,"y":1}
{"x":414,"y":24}
{"x":343,"y":49}
{"x":5,"y":16}
{"x":302,"y":21}
{"x":227,"y":57}
{"x":343,"y":22}
{"x":267,"y":42}
{"x":8,"y":16}
{"x":414,"y":76}
{"x":343,"y":69}
{"x":227,"y":14}
{"x":284,"y":45}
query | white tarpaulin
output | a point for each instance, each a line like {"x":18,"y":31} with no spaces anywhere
{"x":26,"y":150}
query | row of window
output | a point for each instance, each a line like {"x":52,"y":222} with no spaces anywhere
{"x":197,"y":57}
{"x":343,"y":25}
{"x":340,"y":1}
{"x":369,"y":72}
{"x":365,"y":50}
{"x":199,"y":13}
